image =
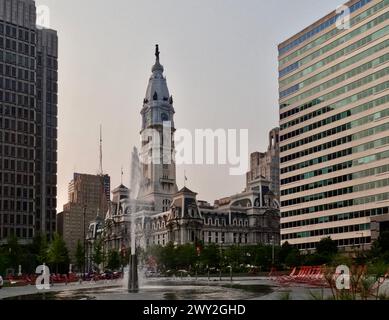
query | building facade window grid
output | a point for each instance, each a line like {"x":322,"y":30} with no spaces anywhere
{"x":330,"y":155}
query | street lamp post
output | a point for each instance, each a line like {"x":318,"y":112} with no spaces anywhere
{"x":221,"y":259}
{"x":84,"y":219}
{"x":272,"y":255}
{"x":362,"y":241}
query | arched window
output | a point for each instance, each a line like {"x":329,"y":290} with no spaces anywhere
{"x":257,"y":203}
{"x":155,"y":97}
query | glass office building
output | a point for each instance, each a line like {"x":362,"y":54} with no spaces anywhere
{"x":334,"y":127}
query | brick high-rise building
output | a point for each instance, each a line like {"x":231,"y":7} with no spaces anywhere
{"x":87,"y":199}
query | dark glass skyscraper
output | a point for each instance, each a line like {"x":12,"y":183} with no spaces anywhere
{"x":46,"y":130}
{"x":28,"y":123}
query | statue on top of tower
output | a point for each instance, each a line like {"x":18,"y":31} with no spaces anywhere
{"x":157,"y":52}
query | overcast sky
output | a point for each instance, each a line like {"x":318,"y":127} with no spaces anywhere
{"x":220,"y":59}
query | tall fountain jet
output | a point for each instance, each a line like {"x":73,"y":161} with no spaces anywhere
{"x":135,"y":174}
{"x":133,"y":280}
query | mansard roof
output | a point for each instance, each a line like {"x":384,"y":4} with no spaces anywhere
{"x":186,"y":190}
{"x":121,"y":187}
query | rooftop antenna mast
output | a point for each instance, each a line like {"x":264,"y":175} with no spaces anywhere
{"x":101,"y":152}
{"x":121,"y":176}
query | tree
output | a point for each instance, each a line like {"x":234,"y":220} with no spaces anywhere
{"x":4,"y":260}
{"x":326,"y":251}
{"x":80,"y":256}
{"x":98,"y":255}
{"x":166,"y":256}
{"x":327,"y":247}
{"x":14,"y":252}
{"x":233,"y":255}
{"x":264,"y":257}
{"x":293,"y":259}
{"x":41,"y":248}
{"x":58,"y":253}
{"x":380,"y":248}
{"x":285,"y":250}
{"x":186,"y":256}
{"x":289,"y":255}
{"x":113,"y":260}
{"x":383,"y":242}
{"x":210,"y":256}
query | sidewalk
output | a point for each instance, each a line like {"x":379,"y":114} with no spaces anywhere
{"x":10,"y":292}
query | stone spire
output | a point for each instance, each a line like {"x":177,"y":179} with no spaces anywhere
{"x":157,"y":90}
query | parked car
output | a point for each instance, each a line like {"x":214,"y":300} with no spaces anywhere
{"x":1,"y":282}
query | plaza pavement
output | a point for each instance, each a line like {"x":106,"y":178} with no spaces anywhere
{"x":9,"y":292}
{"x":177,"y":288}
